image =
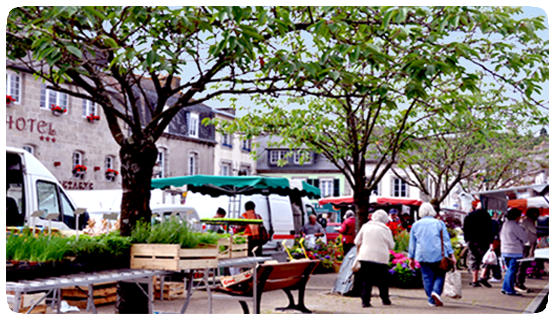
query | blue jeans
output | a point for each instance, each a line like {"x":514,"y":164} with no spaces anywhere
{"x":510,"y":275}
{"x":432,"y":279}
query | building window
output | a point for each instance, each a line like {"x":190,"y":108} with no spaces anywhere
{"x":193,"y":125}
{"x":326,"y":187}
{"x":225,"y":169}
{"x":276,"y":155}
{"x":29,"y":148}
{"x":89,"y":108}
{"x":227,"y":140}
{"x":246,"y":145}
{"x":109,"y":163}
{"x":245,"y":170}
{"x":192,"y":164}
{"x":158,"y":170}
{"x":13,"y":86}
{"x":297,"y":157}
{"x":399,"y":188}
{"x":50,"y":97}
{"x":77,"y":158}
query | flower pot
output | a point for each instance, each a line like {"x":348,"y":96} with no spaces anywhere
{"x":57,"y":113}
{"x":336,"y":267}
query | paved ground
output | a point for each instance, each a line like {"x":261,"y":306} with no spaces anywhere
{"x":405,"y":301}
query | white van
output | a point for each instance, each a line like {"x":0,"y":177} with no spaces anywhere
{"x":100,"y":202}
{"x":282,"y":215}
{"x":30,"y":187}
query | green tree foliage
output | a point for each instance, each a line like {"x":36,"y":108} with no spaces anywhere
{"x":126,"y":59}
{"x":374,"y":80}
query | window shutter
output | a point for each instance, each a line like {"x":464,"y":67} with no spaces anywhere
{"x":336,"y":187}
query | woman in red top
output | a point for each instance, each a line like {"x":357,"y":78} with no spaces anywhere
{"x":348,"y":231}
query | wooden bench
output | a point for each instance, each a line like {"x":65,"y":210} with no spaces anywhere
{"x":287,"y":276}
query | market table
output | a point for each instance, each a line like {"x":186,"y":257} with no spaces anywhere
{"x":248,"y":262}
{"x":55,"y":285}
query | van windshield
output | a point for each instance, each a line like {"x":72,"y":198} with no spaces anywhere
{"x":15,"y":197}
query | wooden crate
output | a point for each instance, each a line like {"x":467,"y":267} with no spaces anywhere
{"x":28,"y":299}
{"x":172,"y":289}
{"x":103,"y":293}
{"x":171,"y":257}
{"x":233,"y":250}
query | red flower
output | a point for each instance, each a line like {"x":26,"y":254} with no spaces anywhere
{"x":58,"y":109}
{"x":9,"y":100}
{"x":92,"y":117}
{"x":79,"y":168}
{"x":112,"y":171}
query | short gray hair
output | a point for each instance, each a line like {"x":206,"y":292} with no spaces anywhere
{"x":380,"y":216}
{"x":427,"y":210}
{"x":349,"y":214}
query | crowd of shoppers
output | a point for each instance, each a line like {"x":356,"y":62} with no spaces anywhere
{"x":510,"y":240}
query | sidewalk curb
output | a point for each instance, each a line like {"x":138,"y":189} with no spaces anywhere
{"x":535,"y":304}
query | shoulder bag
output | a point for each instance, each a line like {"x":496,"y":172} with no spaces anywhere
{"x":445,"y":264}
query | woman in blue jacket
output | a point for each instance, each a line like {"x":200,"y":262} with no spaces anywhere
{"x":425,"y":247}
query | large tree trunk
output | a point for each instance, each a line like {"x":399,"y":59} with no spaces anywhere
{"x":361,"y":198}
{"x":137,"y":161}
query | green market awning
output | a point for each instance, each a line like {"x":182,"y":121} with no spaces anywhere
{"x":216,"y":186}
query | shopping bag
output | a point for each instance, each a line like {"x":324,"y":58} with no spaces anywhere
{"x":452,"y":286}
{"x":490,"y":258}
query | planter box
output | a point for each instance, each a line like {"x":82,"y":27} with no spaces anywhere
{"x":172,"y":258}
{"x":233,"y":250}
{"x":103,"y":293}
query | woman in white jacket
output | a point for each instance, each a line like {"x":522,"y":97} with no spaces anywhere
{"x":373,"y":241}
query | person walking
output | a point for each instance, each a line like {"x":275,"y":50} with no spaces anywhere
{"x":529,"y":225}
{"x":496,"y":246}
{"x":426,"y":237}
{"x":373,"y":241}
{"x":513,"y":238}
{"x":348,"y":231}
{"x":478,"y":234}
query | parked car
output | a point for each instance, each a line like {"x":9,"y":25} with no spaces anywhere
{"x":331,"y":233}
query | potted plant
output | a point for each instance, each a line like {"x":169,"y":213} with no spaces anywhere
{"x":57,"y":110}
{"x":111,"y":174}
{"x":79,"y":171}
{"x":9,"y":100}
{"x":402,"y":276}
{"x":172,"y":245}
{"x":92,"y":118}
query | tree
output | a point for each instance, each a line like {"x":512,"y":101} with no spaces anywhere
{"x":368,"y":90}
{"x":472,"y":143}
{"x":115,"y":57}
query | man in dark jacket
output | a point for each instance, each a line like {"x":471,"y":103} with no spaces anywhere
{"x":478,"y":234}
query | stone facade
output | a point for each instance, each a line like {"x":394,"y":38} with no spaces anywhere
{"x":232,"y":155}
{"x":56,"y":139}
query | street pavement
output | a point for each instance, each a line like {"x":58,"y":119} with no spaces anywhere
{"x":319,"y":299}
